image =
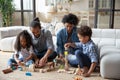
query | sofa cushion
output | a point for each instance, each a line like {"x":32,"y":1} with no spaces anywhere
{"x":117,"y":33}
{"x":105,"y":50}
{"x":3,"y":33}
{"x":110,"y":66}
{"x":108,"y":33}
{"x":118,"y":43}
{"x":10,"y":31}
{"x":7,"y":44}
{"x":106,"y":42}
{"x":96,"y":40}
{"x":96,"y":33}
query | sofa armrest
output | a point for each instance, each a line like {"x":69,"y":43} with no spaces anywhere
{"x":10,"y":31}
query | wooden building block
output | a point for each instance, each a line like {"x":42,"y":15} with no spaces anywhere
{"x":7,"y":70}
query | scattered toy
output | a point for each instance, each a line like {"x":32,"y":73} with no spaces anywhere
{"x":20,"y":68}
{"x":66,"y":60}
{"x":61,"y":71}
{"x":42,"y":70}
{"x":71,"y":71}
{"x":7,"y":70}
{"x":78,"y":71}
{"x":51,"y":65}
{"x":28,"y":74}
{"x":14,"y":67}
{"x":22,"y":64}
{"x":77,"y":78}
{"x":32,"y":68}
{"x":48,"y":70}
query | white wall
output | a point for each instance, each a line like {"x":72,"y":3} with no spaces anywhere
{"x":40,"y":5}
{"x":76,"y":6}
{"x":80,"y":5}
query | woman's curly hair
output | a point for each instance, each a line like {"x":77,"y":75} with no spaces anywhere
{"x":70,"y":18}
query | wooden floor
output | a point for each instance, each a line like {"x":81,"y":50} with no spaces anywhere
{"x":53,"y":75}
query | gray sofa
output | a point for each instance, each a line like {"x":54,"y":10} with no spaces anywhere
{"x":8,"y":36}
{"x":107,"y":41}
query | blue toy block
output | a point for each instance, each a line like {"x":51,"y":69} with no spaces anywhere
{"x":28,"y":74}
{"x":20,"y":68}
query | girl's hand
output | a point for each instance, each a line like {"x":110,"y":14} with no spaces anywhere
{"x":18,"y":61}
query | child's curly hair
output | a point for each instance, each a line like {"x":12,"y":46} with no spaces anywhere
{"x":25,"y":35}
{"x":84,"y":31}
{"x":70,"y":18}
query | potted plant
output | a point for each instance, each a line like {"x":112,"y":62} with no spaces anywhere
{"x":6,"y":9}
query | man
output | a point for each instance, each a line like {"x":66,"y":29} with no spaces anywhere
{"x":42,"y":43}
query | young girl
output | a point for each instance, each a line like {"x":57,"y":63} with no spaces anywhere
{"x":23,"y":50}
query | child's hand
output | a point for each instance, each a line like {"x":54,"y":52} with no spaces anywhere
{"x":18,"y":61}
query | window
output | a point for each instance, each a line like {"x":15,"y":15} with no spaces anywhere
{"x":107,"y":13}
{"x":25,"y":12}
{"x":91,"y":4}
{"x":104,"y":4}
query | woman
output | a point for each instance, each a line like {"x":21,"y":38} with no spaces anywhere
{"x":68,"y":35}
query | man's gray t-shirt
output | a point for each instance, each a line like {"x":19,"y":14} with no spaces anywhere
{"x":43,"y":42}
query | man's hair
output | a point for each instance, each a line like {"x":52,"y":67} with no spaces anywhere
{"x":35,"y":23}
{"x":84,"y":31}
{"x":70,"y":18}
